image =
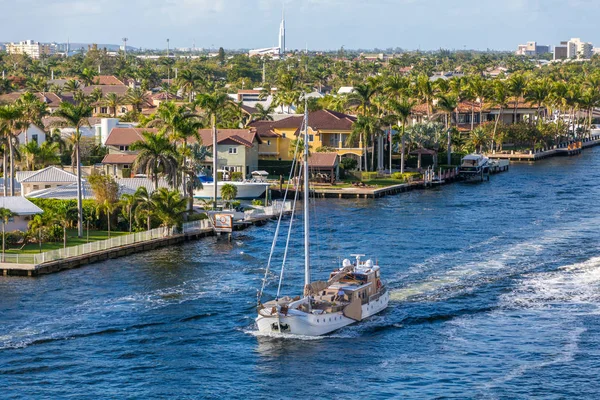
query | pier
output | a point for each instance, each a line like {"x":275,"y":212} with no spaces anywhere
{"x":564,"y":149}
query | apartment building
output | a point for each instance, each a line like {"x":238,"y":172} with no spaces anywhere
{"x":31,"y":48}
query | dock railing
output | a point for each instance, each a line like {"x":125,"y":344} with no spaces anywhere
{"x":269,"y":211}
{"x":115,"y":242}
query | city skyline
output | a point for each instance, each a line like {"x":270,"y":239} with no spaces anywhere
{"x":236,"y":24}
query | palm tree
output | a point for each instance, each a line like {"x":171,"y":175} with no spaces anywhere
{"x":63,"y":215}
{"x":76,"y":116}
{"x":137,"y":98}
{"x":517,"y":87}
{"x":12,"y":117}
{"x":500,"y":98}
{"x":128,"y":203}
{"x":478,"y":138}
{"x":5,"y":214}
{"x":143,"y":206}
{"x":479,"y":89}
{"x":212,"y":104}
{"x":169,"y":207}
{"x":228,"y":192}
{"x":108,"y":207}
{"x":262,"y":113}
{"x":113,"y":101}
{"x":72,"y":86}
{"x":88,"y":76}
{"x":188,"y":81}
{"x":369,"y":127}
{"x":157,"y":155}
{"x":362,"y":97}
{"x":402,"y":110}
{"x":424,"y":91}
{"x":33,"y":110}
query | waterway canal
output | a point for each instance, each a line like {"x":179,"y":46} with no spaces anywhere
{"x":495,"y":294}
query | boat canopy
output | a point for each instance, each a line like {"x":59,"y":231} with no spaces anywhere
{"x":260,"y":173}
{"x":473,"y":157}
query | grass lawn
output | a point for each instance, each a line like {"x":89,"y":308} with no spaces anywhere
{"x":72,"y":240}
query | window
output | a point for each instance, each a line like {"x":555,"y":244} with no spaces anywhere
{"x":268,"y":142}
{"x":34,"y":138}
{"x":36,"y":187}
{"x":126,"y":166}
{"x":103,"y":110}
{"x":247,"y":170}
{"x":47,"y":186}
{"x":311,"y":138}
{"x":124,"y":148}
{"x":283,"y":135}
{"x":233,"y":150}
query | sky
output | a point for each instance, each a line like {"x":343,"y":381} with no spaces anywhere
{"x":318,"y":24}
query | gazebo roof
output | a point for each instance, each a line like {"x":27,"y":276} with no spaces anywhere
{"x":424,"y":151}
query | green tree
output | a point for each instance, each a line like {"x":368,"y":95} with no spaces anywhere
{"x":12,"y":117}
{"x":63,"y":215}
{"x":5,"y":215}
{"x":113,"y":101}
{"x":157,"y":156}
{"x":76,"y":116}
{"x":169,"y":207}
{"x":228,"y":192}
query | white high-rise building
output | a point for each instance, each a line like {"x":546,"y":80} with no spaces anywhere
{"x":275,"y":52}
{"x":31,"y":48}
{"x":576,"y":49}
{"x":282,"y":36}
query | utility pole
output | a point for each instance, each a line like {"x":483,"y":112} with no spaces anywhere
{"x":168,"y":64}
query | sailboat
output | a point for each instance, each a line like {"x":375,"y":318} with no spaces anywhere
{"x":353,"y":292}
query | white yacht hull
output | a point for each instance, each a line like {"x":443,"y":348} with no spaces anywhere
{"x":245,"y":190}
{"x":305,"y":324}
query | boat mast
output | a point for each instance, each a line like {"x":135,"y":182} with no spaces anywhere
{"x":306,"y":198}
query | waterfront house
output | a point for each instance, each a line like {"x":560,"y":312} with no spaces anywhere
{"x":49,"y":177}
{"x":327,"y":130}
{"x":23,"y":209}
{"x":276,"y":137}
{"x":237,"y":149}
{"x":120,"y":157}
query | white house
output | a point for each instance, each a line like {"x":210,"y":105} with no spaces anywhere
{"x":23,"y":209}
{"x":47,"y":178}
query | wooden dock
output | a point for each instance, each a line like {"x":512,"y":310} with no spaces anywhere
{"x":564,"y":149}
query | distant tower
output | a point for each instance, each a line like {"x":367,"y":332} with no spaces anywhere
{"x":282,"y":35}
{"x":68,"y":47}
{"x":125,"y":46}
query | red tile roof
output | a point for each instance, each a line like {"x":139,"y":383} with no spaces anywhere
{"x":51,"y":100}
{"x":322,"y":160}
{"x":265,"y":128}
{"x":126,"y":136}
{"x":121,"y":90}
{"x":108,"y":80}
{"x":119,"y":159}
{"x":245,"y":137}
{"x":330,"y":120}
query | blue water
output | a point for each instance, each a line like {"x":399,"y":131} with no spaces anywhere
{"x":495,"y":294}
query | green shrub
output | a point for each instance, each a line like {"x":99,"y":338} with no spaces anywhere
{"x":14,"y":237}
{"x":257,"y":202}
{"x":407,"y":176}
{"x":236,"y":203}
{"x":367,"y":176}
{"x":237,"y":176}
{"x":348,"y":163}
{"x":126,"y":173}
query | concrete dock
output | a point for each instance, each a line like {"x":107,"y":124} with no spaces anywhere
{"x":565,"y":149}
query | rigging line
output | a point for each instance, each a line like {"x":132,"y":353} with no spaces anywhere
{"x":287,"y":243}
{"x":274,"y":243}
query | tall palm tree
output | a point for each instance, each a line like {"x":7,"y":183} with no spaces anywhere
{"x":366,"y":127}
{"x":88,"y":76}
{"x":401,"y":110}
{"x":12,"y":117}
{"x":478,"y":138}
{"x":188,"y":81}
{"x":500,"y":99}
{"x":128,"y":203}
{"x":72,"y":86}
{"x":5,"y":214}
{"x":143,"y":206}
{"x":33,"y":110}
{"x":263,"y":113}
{"x":424,"y":91}
{"x":76,"y":116}
{"x":63,"y":215}
{"x":211,"y":105}
{"x":362,"y":96}
{"x":157,"y":155}
{"x":480,"y":90}
{"x":517,"y":87}
{"x":108,"y":207}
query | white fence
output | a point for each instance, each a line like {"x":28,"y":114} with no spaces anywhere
{"x":101,"y":245}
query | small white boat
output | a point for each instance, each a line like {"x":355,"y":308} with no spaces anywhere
{"x":254,"y":188}
{"x":246,"y":190}
{"x":352,"y":293}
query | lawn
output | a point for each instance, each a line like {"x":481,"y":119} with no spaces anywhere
{"x":72,"y":240}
